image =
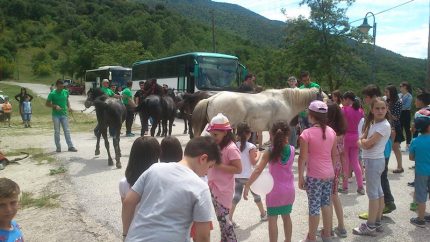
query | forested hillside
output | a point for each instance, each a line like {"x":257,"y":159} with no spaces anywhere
{"x":234,"y":18}
{"x":43,"y":40}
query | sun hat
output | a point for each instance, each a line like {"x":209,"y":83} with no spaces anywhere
{"x":219,"y":122}
{"x":318,"y":106}
{"x":105,"y":80}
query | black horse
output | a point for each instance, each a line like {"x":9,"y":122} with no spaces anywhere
{"x":189,"y":103}
{"x":162,"y":110}
{"x":110,"y":113}
{"x":179,"y":103}
{"x":168,"y":114}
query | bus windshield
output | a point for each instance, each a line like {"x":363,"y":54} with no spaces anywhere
{"x":217,"y":73}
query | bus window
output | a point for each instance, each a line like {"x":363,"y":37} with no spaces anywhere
{"x":217,"y":73}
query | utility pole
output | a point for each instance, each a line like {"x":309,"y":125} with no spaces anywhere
{"x":213,"y":30}
{"x":428,"y":57}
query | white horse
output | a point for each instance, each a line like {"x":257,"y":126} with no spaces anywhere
{"x":260,"y":111}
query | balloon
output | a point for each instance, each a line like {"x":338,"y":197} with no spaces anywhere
{"x":264,"y":184}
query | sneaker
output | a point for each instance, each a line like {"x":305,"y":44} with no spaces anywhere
{"x":130,"y":135}
{"x":413,"y":206}
{"x":340,"y":232}
{"x":427,"y":218}
{"x":263,"y":217}
{"x":343,"y":191}
{"x":361,"y":191}
{"x":363,"y":229}
{"x":379,"y":227}
{"x":73,"y":149}
{"x":411,"y":184}
{"x":389,"y":207}
{"x":364,"y":216}
{"x":58,"y":150}
{"x":418,"y":222}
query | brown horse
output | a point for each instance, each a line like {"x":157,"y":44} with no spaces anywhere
{"x":259,"y":110}
{"x":188,"y":104}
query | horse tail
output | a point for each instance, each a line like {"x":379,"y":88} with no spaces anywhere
{"x":200,"y":117}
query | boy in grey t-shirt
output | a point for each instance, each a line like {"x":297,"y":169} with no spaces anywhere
{"x":172,"y":196}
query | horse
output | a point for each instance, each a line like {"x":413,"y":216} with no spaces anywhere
{"x":168,"y":114}
{"x":190,"y":101}
{"x":110,"y":113}
{"x":150,"y":107}
{"x":260,"y":111}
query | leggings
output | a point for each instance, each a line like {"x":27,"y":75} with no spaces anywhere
{"x":351,"y":161}
{"x":225,"y":225}
{"x":405,"y":122}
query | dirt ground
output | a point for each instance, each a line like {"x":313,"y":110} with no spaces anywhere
{"x":65,"y":220}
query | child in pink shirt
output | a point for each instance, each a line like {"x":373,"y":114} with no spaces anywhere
{"x":317,"y":149}
{"x":221,"y":176}
{"x":353,"y":114}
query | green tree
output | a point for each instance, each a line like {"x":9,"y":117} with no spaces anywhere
{"x":322,"y":43}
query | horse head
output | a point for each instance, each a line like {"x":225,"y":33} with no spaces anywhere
{"x":92,"y":95}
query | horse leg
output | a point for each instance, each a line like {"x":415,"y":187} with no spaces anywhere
{"x":164,"y":121}
{"x":185,"y":125}
{"x":98,"y":134}
{"x":159,"y":128}
{"x":190,"y":128}
{"x":154,"y":127}
{"x":117,"y":151}
{"x":104,"y":133}
{"x":170,"y":125}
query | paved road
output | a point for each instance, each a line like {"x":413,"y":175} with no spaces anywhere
{"x":96,"y":185}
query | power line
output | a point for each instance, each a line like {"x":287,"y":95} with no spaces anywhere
{"x":386,"y":10}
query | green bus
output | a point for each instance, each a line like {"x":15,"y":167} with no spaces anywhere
{"x":117,"y":75}
{"x":191,"y":72}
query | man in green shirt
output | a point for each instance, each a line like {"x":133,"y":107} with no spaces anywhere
{"x":306,"y":81}
{"x":305,"y":78}
{"x":105,"y":88}
{"x":126,"y":98}
{"x":58,"y":100}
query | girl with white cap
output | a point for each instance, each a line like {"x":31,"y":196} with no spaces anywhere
{"x":221,"y":176}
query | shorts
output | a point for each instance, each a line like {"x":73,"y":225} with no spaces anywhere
{"x":373,"y":172}
{"x":238,"y":189}
{"x":282,"y":210}
{"x":422,"y":188}
{"x":399,"y":135}
{"x":319,"y":194}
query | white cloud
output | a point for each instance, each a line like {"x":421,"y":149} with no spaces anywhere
{"x":403,"y":30}
{"x":412,"y":43}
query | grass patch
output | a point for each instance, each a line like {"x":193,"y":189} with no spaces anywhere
{"x":59,"y":170}
{"x":36,"y":154}
{"x":46,"y":200}
{"x":24,"y":72}
{"x":41,"y":120}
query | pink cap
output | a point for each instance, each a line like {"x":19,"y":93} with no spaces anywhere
{"x":318,"y":106}
{"x":219,"y":122}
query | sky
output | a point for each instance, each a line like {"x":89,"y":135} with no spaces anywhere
{"x":403,"y":30}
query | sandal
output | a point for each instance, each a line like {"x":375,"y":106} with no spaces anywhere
{"x":397,"y":171}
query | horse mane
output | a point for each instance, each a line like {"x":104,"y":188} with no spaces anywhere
{"x":300,"y":97}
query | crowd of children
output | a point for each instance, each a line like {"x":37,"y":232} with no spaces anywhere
{"x":213,"y":173}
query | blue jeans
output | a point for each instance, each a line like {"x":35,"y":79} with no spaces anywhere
{"x":63,"y":121}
